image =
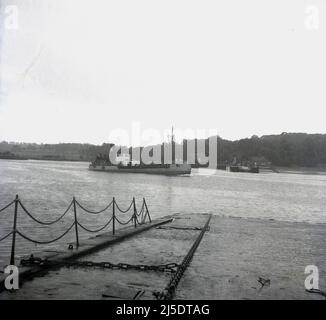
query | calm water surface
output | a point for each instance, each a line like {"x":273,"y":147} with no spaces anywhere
{"x":46,"y":188}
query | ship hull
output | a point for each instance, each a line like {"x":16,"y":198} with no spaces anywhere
{"x":173,"y":170}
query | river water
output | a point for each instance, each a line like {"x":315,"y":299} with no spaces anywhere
{"x":46,"y":188}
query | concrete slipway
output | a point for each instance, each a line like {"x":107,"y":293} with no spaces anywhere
{"x":234,"y":259}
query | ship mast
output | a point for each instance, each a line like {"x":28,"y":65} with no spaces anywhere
{"x":173,"y":147}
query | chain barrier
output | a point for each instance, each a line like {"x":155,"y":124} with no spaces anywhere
{"x":141,"y":213}
{"x":43,"y":222}
{"x":141,"y":209}
{"x":124,"y":211}
{"x":176,"y":269}
{"x":97,"y":230}
{"x":169,"y":267}
{"x":94,"y":212}
{"x":45,"y":242}
{"x":74,"y":203}
{"x":124,"y":223}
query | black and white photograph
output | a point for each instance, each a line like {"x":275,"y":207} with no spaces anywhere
{"x":158,"y":150}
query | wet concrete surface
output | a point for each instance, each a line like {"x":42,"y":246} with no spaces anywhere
{"x":236,"y":252}
{"x":232,"y":256}
{"x":153,"y":247}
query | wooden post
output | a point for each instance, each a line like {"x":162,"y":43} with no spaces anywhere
{"x":113,"y":216}
{"x":135,"y":216}
{"x":76,"y":222}
{"x":14,"y":230}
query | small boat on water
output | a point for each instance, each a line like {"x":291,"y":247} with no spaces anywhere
{"x":103,"y":163}
{"x":253,"y":169}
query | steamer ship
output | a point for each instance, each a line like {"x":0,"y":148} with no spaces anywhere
{"x":103,"y":163}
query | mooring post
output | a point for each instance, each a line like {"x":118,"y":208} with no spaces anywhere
{"x":135,"y":210}
{"x":147,"y":212}
{"x":142,"y":212}
{"x":13,"y":243}
{"x":76,"y":222}
{"x":113,"y":216}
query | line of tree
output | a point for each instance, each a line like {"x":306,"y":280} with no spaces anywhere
{"x":286,"y":149}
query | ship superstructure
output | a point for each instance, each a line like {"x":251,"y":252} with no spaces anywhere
{"x":127,"y":165}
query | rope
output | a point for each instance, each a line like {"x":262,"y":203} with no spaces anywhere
{"x":124,"y":211}
{"x":7,"y":206}
{"x":94,"y":212}
{"x":97,"y":230}
{"x":42,"y":222}
{"x":5,"y":237}
{"x":45,"y":242}
{"x":124,"y":223}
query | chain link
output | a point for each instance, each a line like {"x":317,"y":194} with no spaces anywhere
{"x":182,"y":228}
{"x":169,"y":267}
{"x":169,"y":291}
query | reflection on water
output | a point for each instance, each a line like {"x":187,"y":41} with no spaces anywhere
{"x":46,"y":188}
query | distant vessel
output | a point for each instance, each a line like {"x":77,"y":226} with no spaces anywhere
{"x":104,"y":164}
{"x":166,"y":169}
{"x":253,"y":169}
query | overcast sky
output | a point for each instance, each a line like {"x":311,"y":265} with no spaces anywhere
{"x":74,"y":70}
